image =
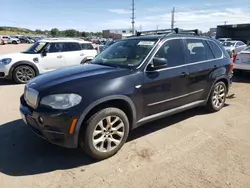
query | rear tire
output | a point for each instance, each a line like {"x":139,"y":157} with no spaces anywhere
{"x":23,"y":74}
{"x":14,"y":42}
{"x":105,"y":133}
{"x":217,"y":97}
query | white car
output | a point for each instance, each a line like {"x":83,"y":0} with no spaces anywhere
{"x":242,"y":60}
{"x":10,"y":40}
{"x":44,"y":56}
{"x":233,"y":47}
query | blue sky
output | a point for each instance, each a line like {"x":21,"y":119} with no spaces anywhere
{"x":95,"y":15}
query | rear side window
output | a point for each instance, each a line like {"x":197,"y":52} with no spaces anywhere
{"x":198,"y":50}
{"x":71,"y":46}
{"x":217,"y":51}
{"x":87,"y":46}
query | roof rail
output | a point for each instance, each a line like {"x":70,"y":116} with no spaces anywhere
{"x":159,"y":31}
{"x":191,"y":31}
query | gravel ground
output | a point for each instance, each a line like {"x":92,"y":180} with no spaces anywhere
{"x":190,"y":149}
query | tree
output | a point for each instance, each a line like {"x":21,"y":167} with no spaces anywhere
{"x":83,"y":34}
{"x":70,"y":33}
{"x":54,"y":32}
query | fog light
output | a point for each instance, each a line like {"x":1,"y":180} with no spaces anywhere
{"x":40,"y":120}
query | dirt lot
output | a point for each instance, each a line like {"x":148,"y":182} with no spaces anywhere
{"x":191,"y":149}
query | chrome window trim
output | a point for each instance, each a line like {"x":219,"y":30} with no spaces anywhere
{"x":174,"y":98}
{"x":187,"y":64}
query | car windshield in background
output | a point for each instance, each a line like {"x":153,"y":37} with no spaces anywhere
{"x":125,"y":53}
{"x":228,"y":43}
{"x":247,"y":49}
{"x":35,"y":48}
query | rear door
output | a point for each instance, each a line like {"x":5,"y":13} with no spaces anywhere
{"x":201,"y":62}
{"x":244,"y":58}
{"x":88,"y":50}
{"x":73,"y":54}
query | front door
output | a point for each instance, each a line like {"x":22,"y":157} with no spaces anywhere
{"x":54,"y":58}
{"x":166,"y":88}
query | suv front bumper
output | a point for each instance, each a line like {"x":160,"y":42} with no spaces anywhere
{"x":55,"y":127}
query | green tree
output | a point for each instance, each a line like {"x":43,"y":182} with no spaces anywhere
{"x":83,"y":34}
{"x":54,"y":32}
{"x":70,"y":33}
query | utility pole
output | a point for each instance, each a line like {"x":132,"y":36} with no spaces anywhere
{"x":157,"y":27}
{"x":172,"y":21}
{"x":133,"y":17}
{"x":225,"y":22}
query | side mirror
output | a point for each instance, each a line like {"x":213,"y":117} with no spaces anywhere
{"x":158,"y":63}
{"x":44,"y":52}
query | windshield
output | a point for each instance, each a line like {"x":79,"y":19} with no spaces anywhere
{"x":36,"y":47}
{"x":228,"y":43}
{"x":125,"y":53}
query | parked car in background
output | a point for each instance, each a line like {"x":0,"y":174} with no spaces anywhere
{"x":241,"y":60}
{"x":3,"y":41}
{"x":223,"y":40}
{"x":25,"y":40}
{"x":233,"y":47}
{"x":134,"y":81}
{"x":44,"y":56}
{"x":11,"y":40}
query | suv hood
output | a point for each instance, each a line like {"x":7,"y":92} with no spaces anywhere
{"x":17,"y":56}
{"x":81,"y":73}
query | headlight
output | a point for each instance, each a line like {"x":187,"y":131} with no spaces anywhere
{"x":61,"y":101}
{"x":5,"y":61}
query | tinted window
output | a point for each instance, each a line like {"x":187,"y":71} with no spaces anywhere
{"x":71,"y":46}
{"x":173,"y":52}
{"x":87,"y":46}
{"x":217,"y":51}
{"x":55,"y":47}
{"x":198,"y":50}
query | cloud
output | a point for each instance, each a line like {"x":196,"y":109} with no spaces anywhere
{"x":119,"y":11}
{"x":202,"y":19}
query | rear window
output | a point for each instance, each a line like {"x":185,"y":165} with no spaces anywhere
{"x":217,"y":51}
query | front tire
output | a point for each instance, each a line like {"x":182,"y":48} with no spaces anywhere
{"x":217,"y":97}
{"x":105,"y":133}
{"x":23,"y":74}
{"x":14,"y":42}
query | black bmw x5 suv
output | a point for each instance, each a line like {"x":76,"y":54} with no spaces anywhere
{"x":134,"y":81}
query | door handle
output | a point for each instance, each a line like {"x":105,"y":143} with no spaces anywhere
{"x":184,"y":74}
{"x":59,"y":56}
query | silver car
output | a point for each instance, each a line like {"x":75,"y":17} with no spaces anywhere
{"x":234,"y":47}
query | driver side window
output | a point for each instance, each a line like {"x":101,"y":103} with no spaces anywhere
{"x":172,"y":51}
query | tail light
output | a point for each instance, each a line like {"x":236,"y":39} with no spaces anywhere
{"x":234,"y":58}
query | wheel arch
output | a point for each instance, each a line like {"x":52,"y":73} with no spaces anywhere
{"x":222,"y":79}
{"x":19,"y":63}
{"x":119,"y":101}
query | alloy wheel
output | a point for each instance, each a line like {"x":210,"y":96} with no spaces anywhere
{"x":108,"y":133}
{"x":24,"y":74}
{"x":219,"y":96}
